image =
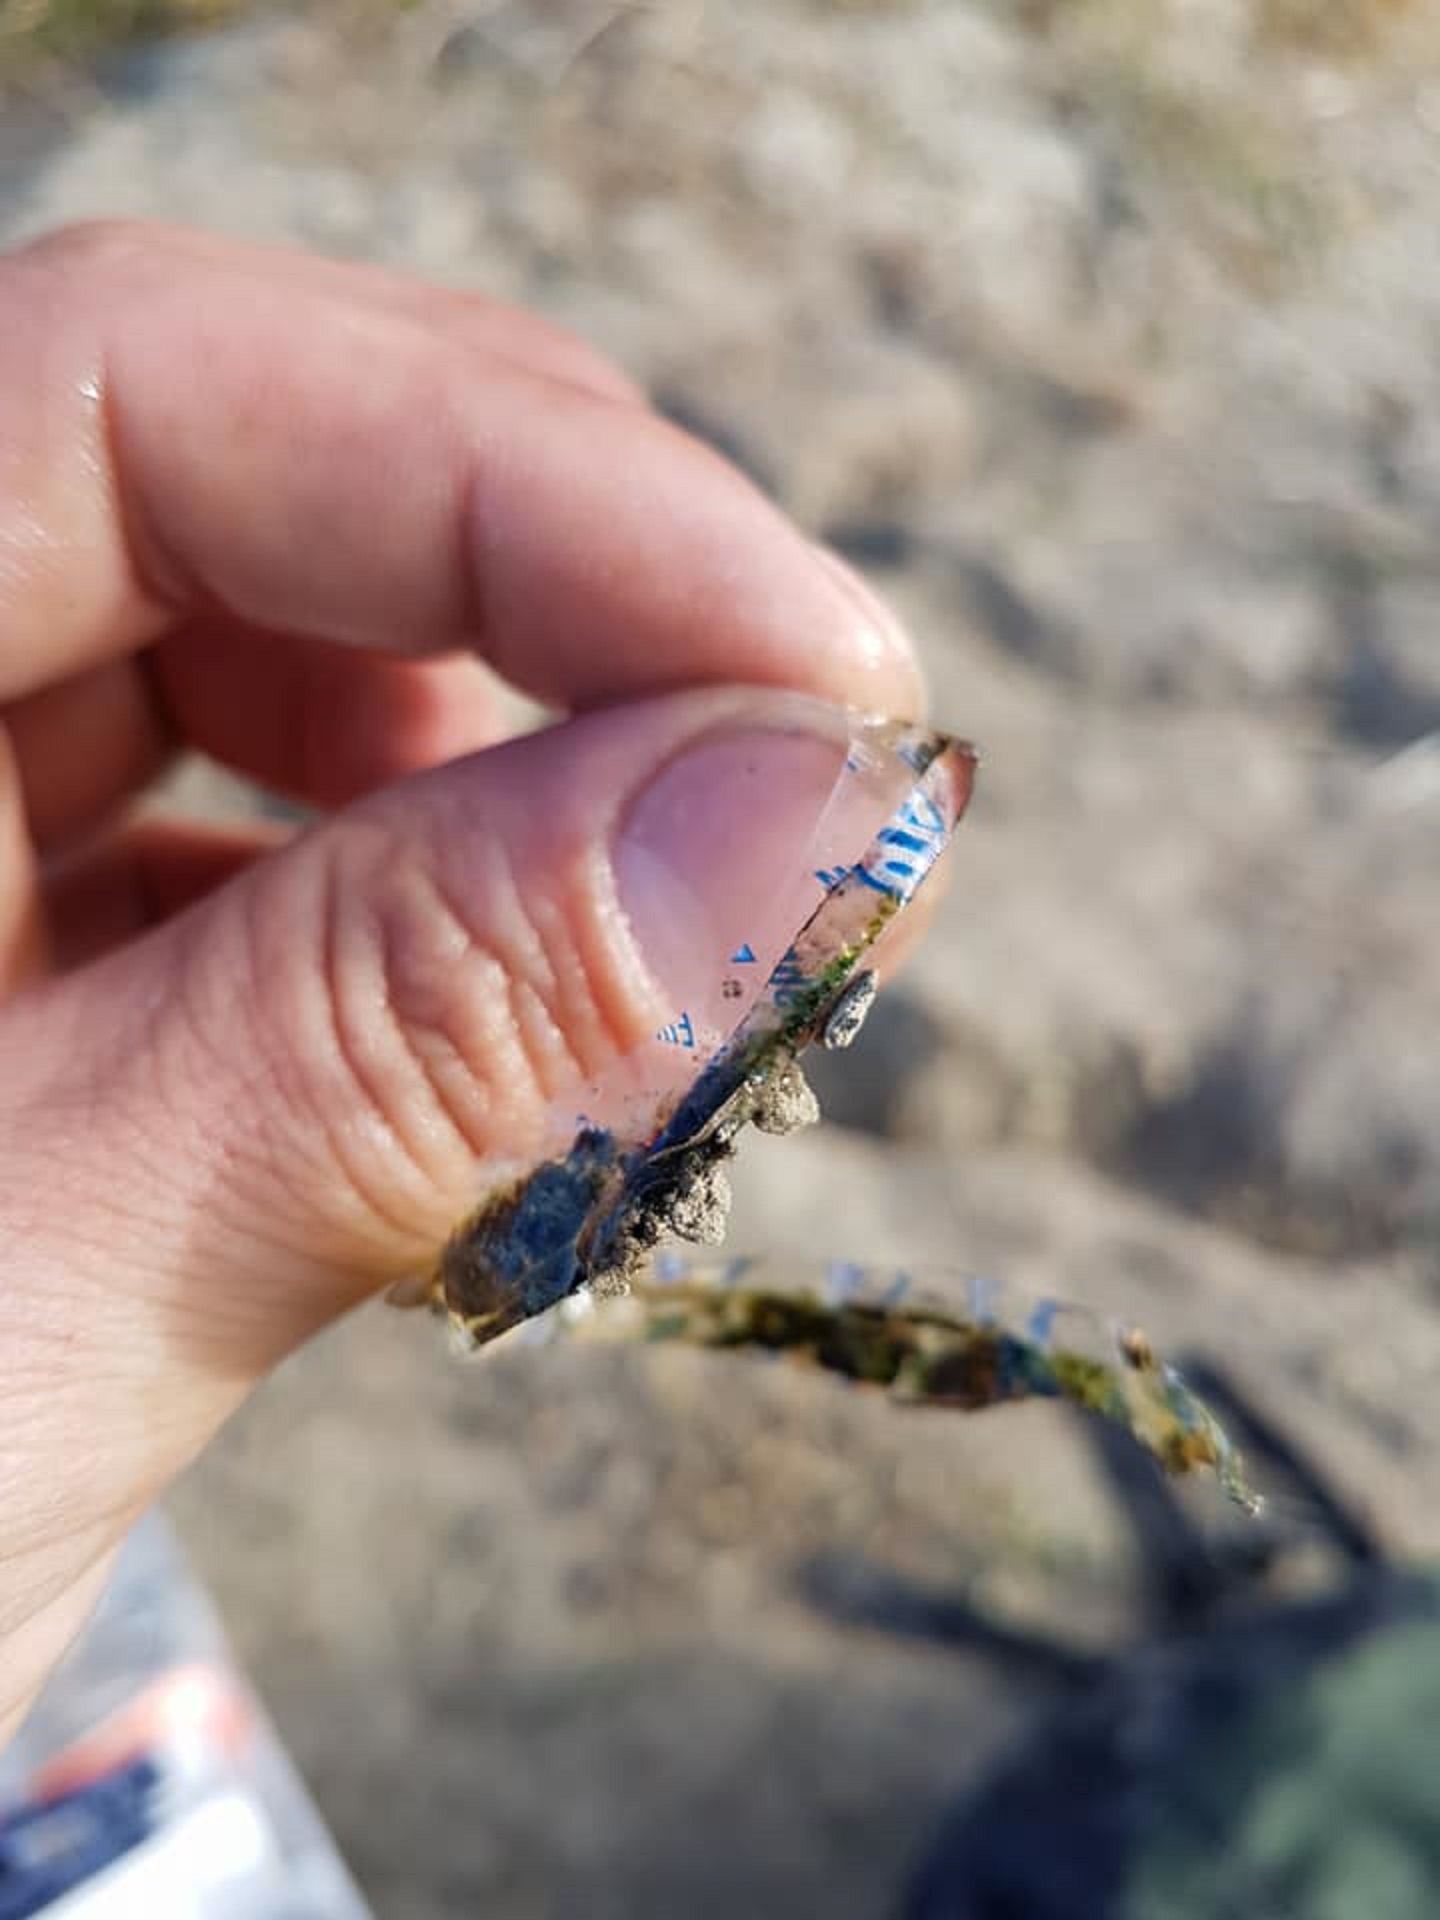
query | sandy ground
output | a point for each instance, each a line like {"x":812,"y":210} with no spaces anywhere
{"x":1104,"y":336}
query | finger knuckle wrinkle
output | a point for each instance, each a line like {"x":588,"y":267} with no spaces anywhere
{"x":476,"y":1008}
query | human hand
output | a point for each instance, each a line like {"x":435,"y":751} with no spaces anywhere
{"x":273,"y":508}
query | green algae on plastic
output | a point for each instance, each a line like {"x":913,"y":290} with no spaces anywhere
{"x":937,"y":1341}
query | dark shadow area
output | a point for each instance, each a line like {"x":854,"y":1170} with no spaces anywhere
{"x":1209,"y":1149}
{"x":1374,"y":702}
{"x":856,"y":1594}
{"x":1377,"y":706}
{"x":1154,"y":1788}
{"x":1000,"y":611}
{"x":864,"y":1087}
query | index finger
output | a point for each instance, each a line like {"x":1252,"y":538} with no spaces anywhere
{"x":228,"y":431}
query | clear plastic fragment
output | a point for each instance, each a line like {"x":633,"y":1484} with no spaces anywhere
{"x":591,"y":1214}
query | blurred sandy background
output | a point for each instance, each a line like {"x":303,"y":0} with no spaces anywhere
{"x":1106,"y":335}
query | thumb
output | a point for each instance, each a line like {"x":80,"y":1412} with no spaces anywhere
{"x":217,"y":1138}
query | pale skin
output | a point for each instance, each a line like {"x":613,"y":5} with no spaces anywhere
{"x":305,"y":516}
